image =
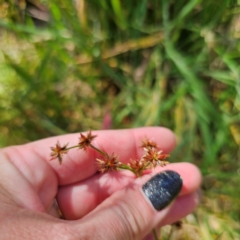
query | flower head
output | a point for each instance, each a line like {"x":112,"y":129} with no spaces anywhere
{"x":155,"y":158}
{"x":108,"y":163}
{"x":58,"y":152}
{"x":146,"y":143}
{"x":85,"y":141}
{"x":137,"y":166}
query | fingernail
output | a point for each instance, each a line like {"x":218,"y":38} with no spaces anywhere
{"x":163,"y":188}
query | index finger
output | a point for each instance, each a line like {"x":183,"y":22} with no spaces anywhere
{"x":79,"y":164}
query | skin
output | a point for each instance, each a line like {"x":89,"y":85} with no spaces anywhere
{"x":95,"y":206}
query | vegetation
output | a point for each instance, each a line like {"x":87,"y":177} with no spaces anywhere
{"x":80,"y":65}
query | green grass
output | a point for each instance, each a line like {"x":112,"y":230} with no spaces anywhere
{"x":162,"y":63}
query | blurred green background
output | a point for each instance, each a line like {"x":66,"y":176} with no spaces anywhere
{"x":70,"y":66}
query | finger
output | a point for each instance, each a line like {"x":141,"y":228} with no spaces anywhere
{"x":79,"y":164}
{"x":78,"y":199}
{"x":132,"y":212}
{"x":14,"y":187}
{"x":32,"y":169}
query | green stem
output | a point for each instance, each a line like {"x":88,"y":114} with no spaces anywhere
{"x":155,"y":234}
{"x":126,"y":167}
{"x":72,"y":147}
{"x":100,"y":151}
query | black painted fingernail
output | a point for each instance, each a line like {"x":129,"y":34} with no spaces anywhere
{"x":163,"y":188}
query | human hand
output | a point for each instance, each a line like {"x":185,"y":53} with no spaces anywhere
{"x":103,"y":206}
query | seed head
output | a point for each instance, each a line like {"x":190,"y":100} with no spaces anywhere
{"x":154,"y":158}
{"x":107,"y":164}
{"x":58,"y":152}
{"x":146,"y":143}
{"x":137,"y":166}
{"x":85,"y":141}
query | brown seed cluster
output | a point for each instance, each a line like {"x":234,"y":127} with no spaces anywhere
{"x":85,"y":141}
{"x":108,"y":163}
{"x":151,"y":158}
{"x":58,"y":152}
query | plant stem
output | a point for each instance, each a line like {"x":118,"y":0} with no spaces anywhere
{"x":100,"y":151}
{"x":126,"y":167}
{"x":155,"y":234}
{"x":72,"y":147}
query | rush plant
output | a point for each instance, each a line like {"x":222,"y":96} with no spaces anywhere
{"x":152,"y":157}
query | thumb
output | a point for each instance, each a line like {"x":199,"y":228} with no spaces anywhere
{"x":134,"y":211}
